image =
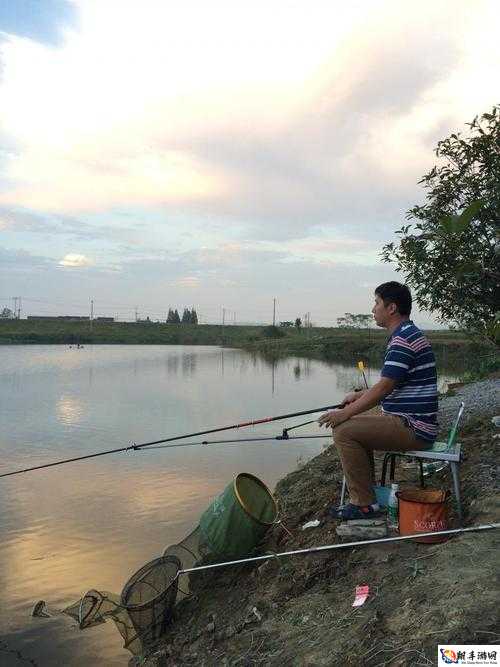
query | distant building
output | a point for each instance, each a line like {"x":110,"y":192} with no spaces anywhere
{"x":66,"y":318}
{"x":69,"y":318}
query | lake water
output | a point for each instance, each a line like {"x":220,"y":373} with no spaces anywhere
{"x":92,"y":524}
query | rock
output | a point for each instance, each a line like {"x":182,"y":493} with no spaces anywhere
{"x":361,"y":532}
{"x":253,"y":616}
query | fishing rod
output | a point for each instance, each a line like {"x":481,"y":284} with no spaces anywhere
{"x":136,"y":447}
{"x":361,"y":367}
{"x":339,"y":545}
{"x":229,"y":442}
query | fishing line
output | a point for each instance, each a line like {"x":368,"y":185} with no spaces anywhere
{"x":135,"y":447}
{"x":226,"y":442}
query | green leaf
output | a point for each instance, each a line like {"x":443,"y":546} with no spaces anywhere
{"x":456,"y":224}
{"x":471,"y":211}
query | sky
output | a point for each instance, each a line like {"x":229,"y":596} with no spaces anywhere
{"x":224,"y":154}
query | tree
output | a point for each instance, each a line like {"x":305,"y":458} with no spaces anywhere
{"x":351,"y":321}
{"x":194,"y":316}
{"x":7,"y":314}
{"x":186,"y":316}
{"x":170,"y":316}
{"x":298,"y":322}
{"x":450,"y":251}
{"x":363,"y":320}
{"x":176,"y":318}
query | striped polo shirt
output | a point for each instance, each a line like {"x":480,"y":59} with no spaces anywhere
{"x":410,"y":361}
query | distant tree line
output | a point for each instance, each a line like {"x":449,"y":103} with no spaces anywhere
{"x":188,"y":316}
{"x":297,"y":324}
{"x":352,"y":321}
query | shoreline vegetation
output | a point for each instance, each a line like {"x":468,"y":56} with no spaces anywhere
{"x":25,"y":332}
{"x":453,"y":349}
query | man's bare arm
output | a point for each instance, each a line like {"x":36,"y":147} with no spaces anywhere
{"x":368,"y":399}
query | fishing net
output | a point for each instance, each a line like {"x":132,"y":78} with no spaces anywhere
{"x":192,"y":551}
{"x":141,"y":613}
{"x":149,"y":597}
{"x":232,"y":525}
{"x":146,"y":606}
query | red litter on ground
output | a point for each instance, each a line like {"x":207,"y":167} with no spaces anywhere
{"x":361,"y":595}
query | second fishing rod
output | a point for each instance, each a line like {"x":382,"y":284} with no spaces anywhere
{"x":134,"y":447}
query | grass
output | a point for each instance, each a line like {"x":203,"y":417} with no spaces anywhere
{"x":325,"y":343}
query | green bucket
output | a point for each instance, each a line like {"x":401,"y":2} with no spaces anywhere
{"x":238,"y":519}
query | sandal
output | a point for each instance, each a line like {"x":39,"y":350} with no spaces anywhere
{"x":352,"y":512}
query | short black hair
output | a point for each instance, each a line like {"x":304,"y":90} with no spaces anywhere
{"x":393,"y":292}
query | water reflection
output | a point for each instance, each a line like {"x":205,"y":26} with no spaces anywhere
{"x":189,"y":364}
{"x":69,"y":410}
{"x":172,"y":364}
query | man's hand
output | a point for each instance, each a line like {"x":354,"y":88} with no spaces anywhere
{"x":352,"y":396}
{"x":333,"y":418}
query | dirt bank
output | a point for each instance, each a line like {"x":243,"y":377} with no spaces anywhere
{"x":299,"y":611}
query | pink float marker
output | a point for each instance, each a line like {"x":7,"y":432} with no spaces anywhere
{"x":361,"y":595}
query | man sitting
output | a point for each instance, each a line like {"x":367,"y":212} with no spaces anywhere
{"x":407,"y":392}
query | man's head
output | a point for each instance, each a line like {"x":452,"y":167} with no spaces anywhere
{"x":392,"y":304}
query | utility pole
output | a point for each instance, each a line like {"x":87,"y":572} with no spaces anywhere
{"x":223,"y":316}
{"x":136,"y":313}
{"x":274,"y":312}
{"x":91,"y":313}
{"x":17,"y":308}
{"x":234,"y":318}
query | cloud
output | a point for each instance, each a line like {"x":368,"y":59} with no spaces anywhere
{"x":191,"y":282}
{"x":74,"y":260}
{"x":12,"y":260}
{"x":231,"y":143}
{"x":321,"y":140}
{"x":28,"y":221}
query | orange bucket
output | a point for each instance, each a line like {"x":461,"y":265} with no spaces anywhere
{"x":423,"y":511}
